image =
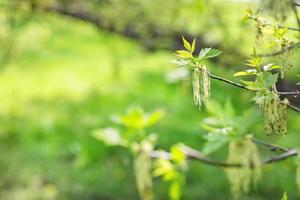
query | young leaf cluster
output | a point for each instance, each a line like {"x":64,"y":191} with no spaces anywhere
{"x":134,"y":137}
{"x":200,"y":73}
{"x":172,"y":170}
{"x":267,"y":98}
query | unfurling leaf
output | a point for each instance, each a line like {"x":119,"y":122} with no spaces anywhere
{"x":183,"y":54}
{"x":186,"y":44}
{"x":136,"y":118}
{"x":193,"y":46}
{"x":254,"y":62}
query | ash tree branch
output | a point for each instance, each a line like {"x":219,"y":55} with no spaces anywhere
{"x":281,"y":51}
{"x":264,"y":23}
{"x":294,"y":8}
{"x":196,"y":155}
{"x":296,"y":109}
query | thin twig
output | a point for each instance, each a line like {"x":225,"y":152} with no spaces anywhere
{"x":282,"y":50}
{"x":229,"y":82}
{"x":294,"y":8}
{"x":196,"y":155}
{"x":264,"y":23}
{"x":289,"y":93}
{"x":294,"y":108}
{"x":245,"y":88}
{"x":273,"y":147}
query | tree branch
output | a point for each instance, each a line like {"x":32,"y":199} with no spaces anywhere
{"x":264,"y":23}
{"x":196,"y":155}
{"x":294,"y":8}
{"x":282,"y":50}
{"x":245,"y":88}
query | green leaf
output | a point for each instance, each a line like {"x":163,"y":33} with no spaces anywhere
{"x":270,"y":66}
{"x":203,"y":53}
{"x":213,"y":53}
{"x":253,"y":85}
{"x":193,"y":46}
{"x":154,"y":117}
{"x":254,"y":62}
{"x":162,"y":167}
{"x":177,"y":154}
{"x":269,"y":79}
{"x":246,"y":72}
{"x":183,"y":54}
{"x":180,"y":62}
{"x":215,"y":141}
{"x":284,"y":197}
{"x":136,"y":118}
{"x":208,"y":53}
{"x":109,"y":136}
{"x":175,"y":188}
{"x":186,"y":44}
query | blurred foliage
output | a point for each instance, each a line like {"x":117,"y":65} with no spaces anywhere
{"x":64,"y":78}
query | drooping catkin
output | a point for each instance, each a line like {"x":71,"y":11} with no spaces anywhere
{"x":245,"y":153}
{"x":201,"y":85}
{"x":205,"y":83}
{"x":274,"y":111}
{"x":196,"y":86}
{"x":142,"y":168}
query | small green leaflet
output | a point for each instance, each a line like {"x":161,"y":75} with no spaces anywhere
{"x":183,"y":54}
{"x":284,"y":197}
{"x":109,"y":136}
{"x":186,"y":44}
{"x":252,"y":85}
{"x":270,"y":79}
{"x":270,"y":66}
{"x":209,"y":53}
{"x":180,"y":62}
{"x":246,"y":72}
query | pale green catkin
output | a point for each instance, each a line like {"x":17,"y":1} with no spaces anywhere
{"x":246,"y":153}
{"x":196,"y":87}
{"x":142,"y":166}
{"x":205,"y":82}
{"x":201,"y":85}
{"x":274,"y":111}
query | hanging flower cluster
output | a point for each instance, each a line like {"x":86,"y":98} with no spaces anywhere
{"x":275,"y":111}
{"x":201,"y":84}
{"x":245,"y":152}
{"x":200,"y":74}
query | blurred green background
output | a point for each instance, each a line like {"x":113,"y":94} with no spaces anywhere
{"x":67,"y":66}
